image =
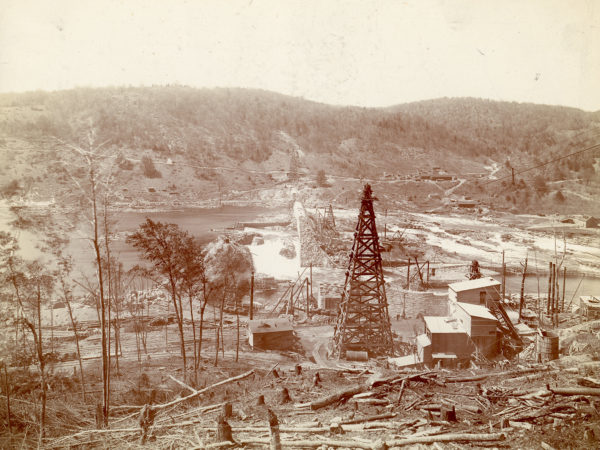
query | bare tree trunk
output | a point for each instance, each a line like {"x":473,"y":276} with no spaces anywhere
{"x":110,"y":295}
{"x":202,"y":308}
{"x":220,"y":329}
{"x":522,"y":300}
{"x":237,"y":317}
{"x":7,"y":390}
{"x":193,"y":330}
{"x":74,"y":325}
{"x":42,"y":361}
{"x":179,"y":317}
{"x":96,"y":243}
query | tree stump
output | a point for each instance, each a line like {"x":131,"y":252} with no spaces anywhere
{"x":316,"y":379}
{"x":284,"y":396}
{"x":274,"y":431}
{"x":223,"y":430}
{"x":227,"y":410}
{"x":448,"y":413}
{"x":260,"y":400}
{"x":146,"y":420}
{"x":298,"y":369}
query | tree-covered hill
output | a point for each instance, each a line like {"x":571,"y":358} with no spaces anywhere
{"x":264,"y":131}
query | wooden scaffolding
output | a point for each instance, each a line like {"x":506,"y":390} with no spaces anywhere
{"x":363,"y":322}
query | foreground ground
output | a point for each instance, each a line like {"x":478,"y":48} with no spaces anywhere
{"x":518,"y":404}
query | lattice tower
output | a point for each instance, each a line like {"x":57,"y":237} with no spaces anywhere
{"x":363,"y":322}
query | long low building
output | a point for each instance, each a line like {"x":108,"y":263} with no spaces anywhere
{"x":271,"y":334}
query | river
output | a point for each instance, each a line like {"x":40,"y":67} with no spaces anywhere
{"x":203,"y":223}
{"x":575,"y":285}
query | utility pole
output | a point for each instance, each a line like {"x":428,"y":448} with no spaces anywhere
{"x":522,"y":299}
{"x":503,"y":277}
{"x":513,"y":175}
{"x":562,"y":307}
{"x":251,"y":312}
{"x":311,"y":281}
{"x":548,"y":311}
{"x":307,"y":301}
{"x":408,"y":275}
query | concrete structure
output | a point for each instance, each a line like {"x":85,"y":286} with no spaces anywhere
{"x":482,"y":291}
{"x":479,"y":324}
{"x":329,"y":296}
{"x":272,"y":334}
{"x":589,"y":307}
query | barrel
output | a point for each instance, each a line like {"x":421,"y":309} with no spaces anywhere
{"x":352,"y":355}
{"x":547,"y":346}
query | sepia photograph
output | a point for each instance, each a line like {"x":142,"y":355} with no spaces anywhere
{"x":285,"y":224}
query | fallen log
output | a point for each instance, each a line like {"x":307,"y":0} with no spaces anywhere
{"x":465,"y":379}
{"x":202,"y":391}
{"x":401,"y":391}
{"x":422,"y":376}
{"x":535,"y":376}
{"x":438,"y":407}
{"x":542,"y":413}
{"x":588,"y":382}
{"x":181,"y":383}
{"x":370,"y":401}
{"x":312,"y":443}
{"x":454,"y":437}
{"x":369,"y":418}
{"x":339,"y":396}
{"x":574,"y":391}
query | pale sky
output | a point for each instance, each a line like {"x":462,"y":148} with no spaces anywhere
{"x":367,"y":53}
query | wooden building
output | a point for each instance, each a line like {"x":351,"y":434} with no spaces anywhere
{"x":449,"y":342}
{"x":481,"y":291}
{"x":479,"y":324}
{"x":271,"y":334}
{"x":592,"y":222}
{"x":589,"y":307}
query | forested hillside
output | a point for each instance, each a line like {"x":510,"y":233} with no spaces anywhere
{"x":262,"y":131}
